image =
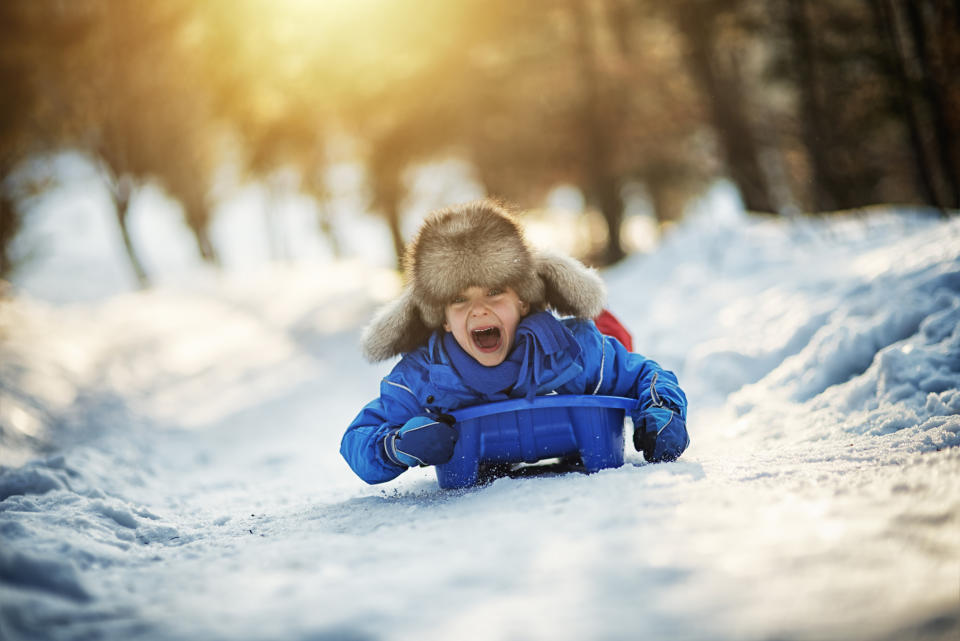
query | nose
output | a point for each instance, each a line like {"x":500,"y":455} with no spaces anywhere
{"x":479,"y":308}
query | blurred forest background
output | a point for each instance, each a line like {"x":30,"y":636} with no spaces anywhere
{"x":804,"y":106}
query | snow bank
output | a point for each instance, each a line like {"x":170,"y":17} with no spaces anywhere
{"x":850,"y":323}
{"x":171,"y":468}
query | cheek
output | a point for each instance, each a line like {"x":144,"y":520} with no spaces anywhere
{"x":450,"y":319}
{"x":518,"y":309}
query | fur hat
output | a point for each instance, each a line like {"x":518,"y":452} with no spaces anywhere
{"x":475,"y":244}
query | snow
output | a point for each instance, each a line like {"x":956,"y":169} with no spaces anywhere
{"x":171,"y":467}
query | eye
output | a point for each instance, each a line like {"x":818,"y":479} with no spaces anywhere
{"x":494,"y":291}
{"x":458,"y":300}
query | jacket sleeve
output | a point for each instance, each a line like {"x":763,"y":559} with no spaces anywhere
{"x":362,"y":443}
{"x":623,"y":373}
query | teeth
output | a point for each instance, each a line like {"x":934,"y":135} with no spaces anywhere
{"x":486,"y":337}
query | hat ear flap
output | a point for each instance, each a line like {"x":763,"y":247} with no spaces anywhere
{"x":395,"y":329}
{"x":570,"y":287}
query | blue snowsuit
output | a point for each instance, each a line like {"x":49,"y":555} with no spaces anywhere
{"x":424,"y":383}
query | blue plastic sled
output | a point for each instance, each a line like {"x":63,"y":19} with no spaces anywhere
{"x":521,"y":430}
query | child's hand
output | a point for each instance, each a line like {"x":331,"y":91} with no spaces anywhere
{"x":661,"y":435}
{"x":421,"y":441}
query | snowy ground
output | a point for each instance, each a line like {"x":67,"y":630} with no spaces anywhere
{"x":171,"y":466}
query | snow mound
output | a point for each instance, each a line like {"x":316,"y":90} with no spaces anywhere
{"x":851,"y":324}
{"x":886,"y":358}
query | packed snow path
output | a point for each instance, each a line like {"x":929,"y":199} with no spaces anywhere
{"x":171,"y":466}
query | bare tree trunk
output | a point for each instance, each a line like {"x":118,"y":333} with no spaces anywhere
{"x":325,"y":224}
{"x":602,"y":183}
{"x":321,"y":195}
{"x":721,"y":92}
{"x":275,"y":237}
{"x":385,"y":170}
{"x":122,"y":196}
{"x":392,"y":213}
{"x":9,"y":225}
{"x":826,"y":193}
{"x":944,"y":139}
{"x":885,"y":18}
{"x":385,"y":174}
{"x":664,"y":195}
{"x":387,"y":188}
{"x":202,"y":237}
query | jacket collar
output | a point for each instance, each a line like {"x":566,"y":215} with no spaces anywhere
{"x":450,"y":391}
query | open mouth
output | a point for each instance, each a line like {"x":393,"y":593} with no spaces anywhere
{"x":487,"y":339}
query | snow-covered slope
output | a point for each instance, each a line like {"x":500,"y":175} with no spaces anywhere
{"x":171,"y":467}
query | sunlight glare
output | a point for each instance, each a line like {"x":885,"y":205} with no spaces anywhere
{"x":325,"y":49}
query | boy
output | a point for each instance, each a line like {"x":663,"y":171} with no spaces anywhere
{"x":472,"y":327}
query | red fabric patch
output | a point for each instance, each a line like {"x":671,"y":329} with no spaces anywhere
{"x":608,"y":325}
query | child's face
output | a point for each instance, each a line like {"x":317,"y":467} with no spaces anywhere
{"x":484,"y":321}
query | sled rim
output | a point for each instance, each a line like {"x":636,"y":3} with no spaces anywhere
{"x":553,"y":400}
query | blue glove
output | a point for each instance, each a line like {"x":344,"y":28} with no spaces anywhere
{"x":661,"y":434}
{"x":421,"y":441}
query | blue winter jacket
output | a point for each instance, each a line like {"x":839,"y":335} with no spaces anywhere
{"x":425,"y":383}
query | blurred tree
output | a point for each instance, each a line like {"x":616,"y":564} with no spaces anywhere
{"x":897,"y":59}
{"x":868,"y":131}
{"x":275,"y":90}
{"x":9,"y":226}
{"x":114,"y":80}
{"x":601,"y":119}
{"x":145,"y":115}
{"x":827,"y":191}
{"x":659,"y":136}
{"x":424,"y":95}
{"x":582,"y":93}
{"x":910,"y":61}
{"x":935,"y":30}
{"x":14,"y":109}
{"x":21,"y":37}
{"x":714,"y":35}
{"x":522,"y":132}
{"x":390,"y":153}
{"x":833,"y":104}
